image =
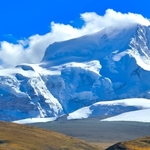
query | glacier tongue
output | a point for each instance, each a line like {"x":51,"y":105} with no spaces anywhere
{"x":110,"y":64}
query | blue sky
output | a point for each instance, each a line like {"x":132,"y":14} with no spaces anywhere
{"x":28,"y":27}
{"x":20,"y":19}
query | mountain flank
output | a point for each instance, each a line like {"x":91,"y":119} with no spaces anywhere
{"x":20,"y":137}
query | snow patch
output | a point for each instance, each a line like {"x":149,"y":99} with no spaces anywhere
{"x":34,"y":120}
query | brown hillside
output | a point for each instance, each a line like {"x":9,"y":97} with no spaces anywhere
{"x":22,"y":137}
{"x":137,"y":144}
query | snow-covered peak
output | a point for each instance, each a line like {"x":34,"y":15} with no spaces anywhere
{"x":91,"y":47}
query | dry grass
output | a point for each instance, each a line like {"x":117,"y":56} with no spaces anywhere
{"x":137,"y":144}
{"x":21,"y":137}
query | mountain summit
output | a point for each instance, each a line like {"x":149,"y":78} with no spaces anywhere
{"x":111,"y":64}
{"x":91,"y":47}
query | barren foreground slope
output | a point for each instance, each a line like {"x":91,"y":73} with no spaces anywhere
{"x":21,"y":137}
{"x":137,"y":144}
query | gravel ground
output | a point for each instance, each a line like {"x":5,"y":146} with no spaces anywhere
{"x":94,"y":130}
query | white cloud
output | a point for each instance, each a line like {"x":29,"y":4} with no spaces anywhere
{"x":13,"y":54}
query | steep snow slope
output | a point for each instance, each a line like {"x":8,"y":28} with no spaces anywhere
{"x":111,"y":108}
{"x":110,"y":64}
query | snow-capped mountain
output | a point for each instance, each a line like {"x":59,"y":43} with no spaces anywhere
{"x":111,"y":64}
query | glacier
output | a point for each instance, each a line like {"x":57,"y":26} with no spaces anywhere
{"x":108,"y":65}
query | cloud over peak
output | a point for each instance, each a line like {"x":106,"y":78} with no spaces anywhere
{"x":31,"y":50}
